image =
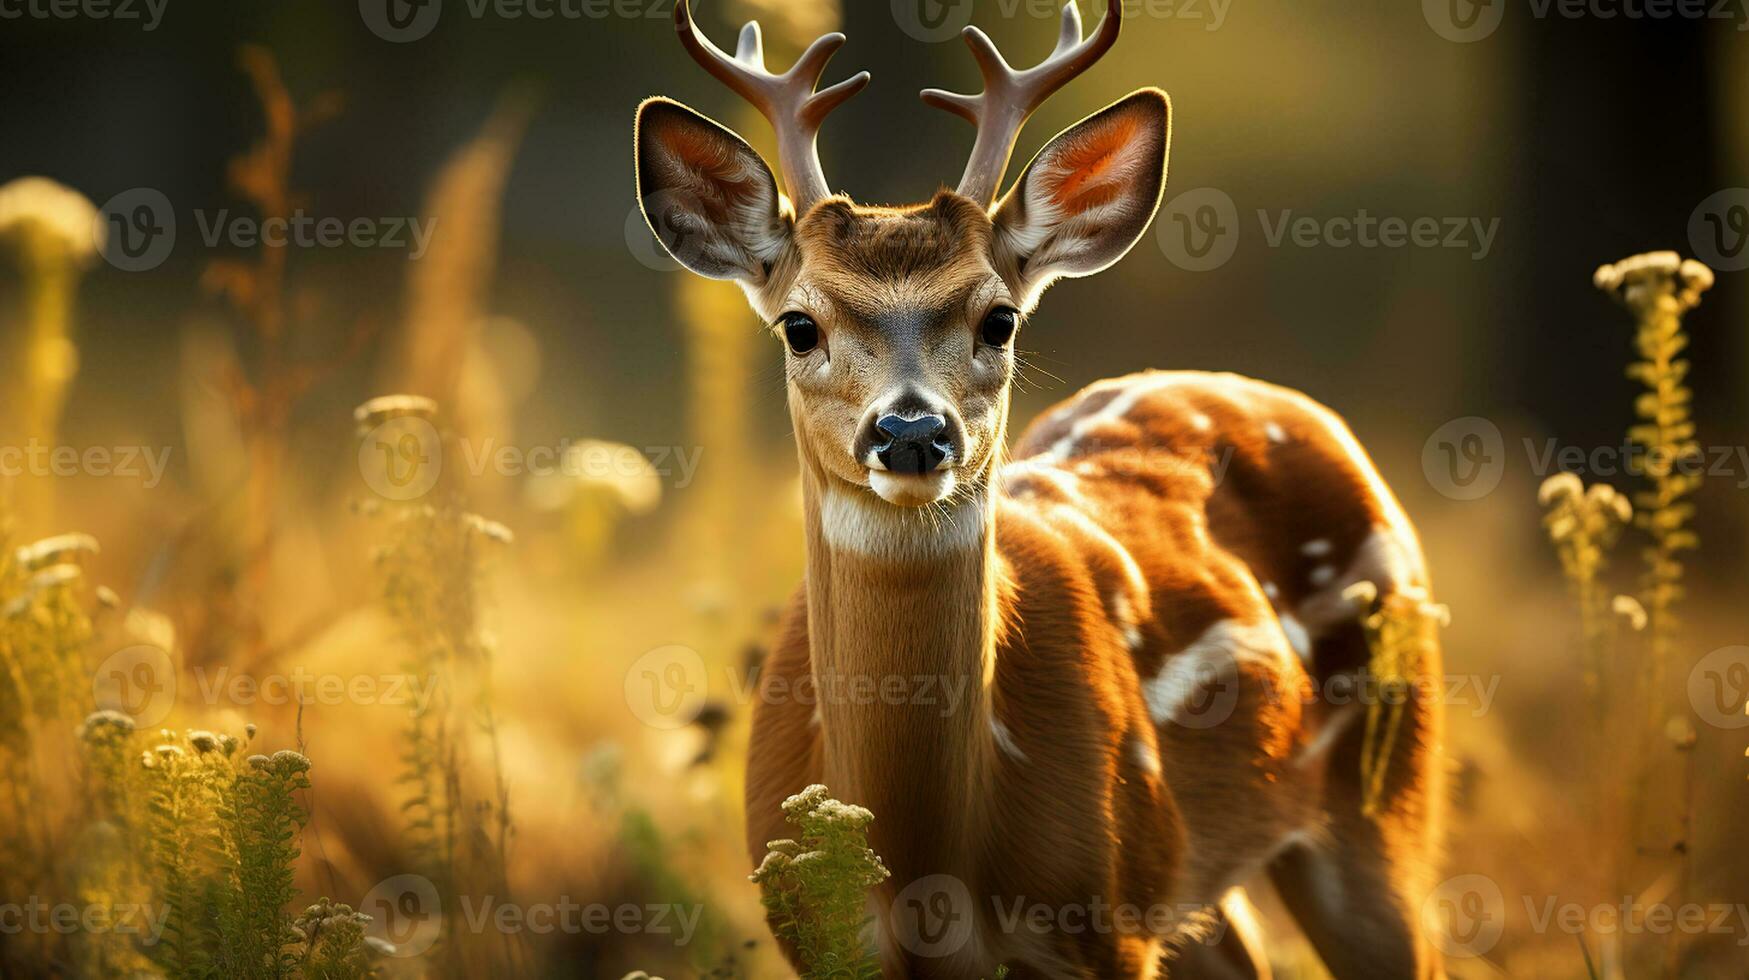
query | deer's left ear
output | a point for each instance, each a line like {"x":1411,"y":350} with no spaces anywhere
{"x":1088,"y":195}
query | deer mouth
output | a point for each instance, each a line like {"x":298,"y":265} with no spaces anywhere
{"x":912,"y":489}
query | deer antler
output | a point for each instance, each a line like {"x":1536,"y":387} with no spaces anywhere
{"x":788,"y":100}
{"x":1010,"y":96}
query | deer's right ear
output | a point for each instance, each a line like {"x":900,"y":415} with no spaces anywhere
{"x":706,"y":194}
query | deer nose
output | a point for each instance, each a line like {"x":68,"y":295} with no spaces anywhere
{"x":913,"y":446}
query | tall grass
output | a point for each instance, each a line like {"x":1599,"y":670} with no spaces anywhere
{"x":457,"y":805}
{"x":175,"y":849}
{"x":1584,"y":524}
{"x":1401,"y":629}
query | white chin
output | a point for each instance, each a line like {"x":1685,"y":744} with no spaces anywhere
{"x":907,"y":490}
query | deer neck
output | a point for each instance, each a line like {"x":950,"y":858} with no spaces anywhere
{"x":902,"y":625}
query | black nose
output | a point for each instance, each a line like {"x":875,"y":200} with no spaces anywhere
{"x":913,"y":445}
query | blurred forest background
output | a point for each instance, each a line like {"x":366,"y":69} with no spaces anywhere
{"x":543,"y":314}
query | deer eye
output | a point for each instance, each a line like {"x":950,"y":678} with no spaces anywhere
{"x":800,"y":332}
{"x":999,"y":325}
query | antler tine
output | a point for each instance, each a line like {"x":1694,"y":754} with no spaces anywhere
{"x":1010,"y":96}
{"x":788,"y":101}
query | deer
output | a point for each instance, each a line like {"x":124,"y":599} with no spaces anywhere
{"x":1082,"y":681}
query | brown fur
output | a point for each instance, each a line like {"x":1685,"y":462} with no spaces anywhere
{"x":1078,"y":820}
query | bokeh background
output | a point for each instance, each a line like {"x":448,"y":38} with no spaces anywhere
{"x":543,"y":314}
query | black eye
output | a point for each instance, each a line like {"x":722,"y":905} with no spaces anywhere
{"x":801,"y":332}
{"x":999,"y":325}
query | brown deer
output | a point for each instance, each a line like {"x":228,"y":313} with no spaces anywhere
{"x":1080,"y":681}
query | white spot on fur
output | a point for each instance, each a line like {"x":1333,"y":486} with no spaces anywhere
{"x":862,"y":524}
{"x":1297,"y":637}
{"x":1019,"y":478}
{"x":1275,"y":432}
{"x":1316,"y":549}
{"x":1119,"y":407}
{"x":1124,"y":616}
{"x":1213,"y":656}
{"x":1147,"y":759}
{"x":1200,"y":422}
{"x":1005,"y":739}
{"x":1389,"y":558}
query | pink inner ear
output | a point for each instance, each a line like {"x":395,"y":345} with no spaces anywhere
{"x":1091,"y":167}
{"x":709,"y":164}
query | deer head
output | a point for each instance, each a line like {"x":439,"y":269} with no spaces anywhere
{"x":899,"y":322}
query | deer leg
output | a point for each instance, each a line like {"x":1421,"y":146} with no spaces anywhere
{"x":1357,"y":891}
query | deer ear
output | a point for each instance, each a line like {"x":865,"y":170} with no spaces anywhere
{"x":1088,"y":195}
{"x":706,"y":194}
